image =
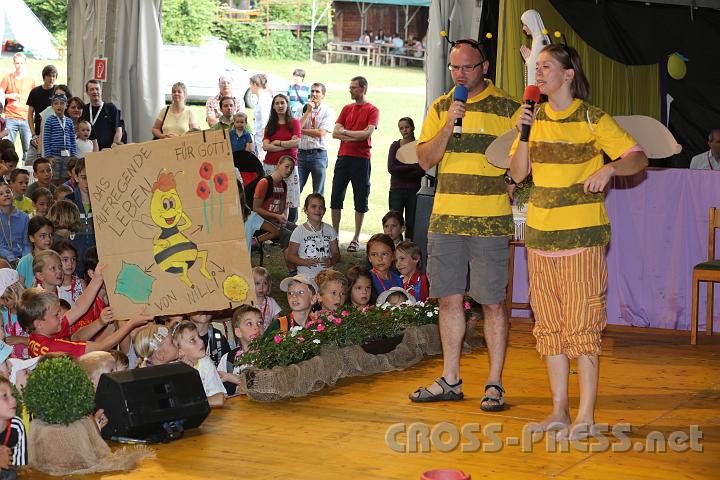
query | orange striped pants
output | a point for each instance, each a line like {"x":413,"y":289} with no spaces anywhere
{"x":568,"y":296}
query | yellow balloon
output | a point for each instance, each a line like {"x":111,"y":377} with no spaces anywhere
{"x":676,"y":67}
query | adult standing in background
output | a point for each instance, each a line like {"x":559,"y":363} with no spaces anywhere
{"x":104,"y":117}
{"x":282,"y":137}
{"x":709,"y":160}
{"x":354,"y":127}
{"x":38,"y":100}
{"x":471,"y":221}
{"x":16,"y":87}
{"x":263,"y":105}
{"x":404,"y":178}
{"x":177,"y":118}
{"x":298,"y":93}
{"x":212,"y":106}
{"x":317,"y":120}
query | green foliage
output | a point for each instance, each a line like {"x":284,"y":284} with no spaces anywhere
{"x":185,"y":22}
{"x":343,"y":328}
{"x":52,"y":13}
{"x":248,"y":39}
{"x":59,"y":391}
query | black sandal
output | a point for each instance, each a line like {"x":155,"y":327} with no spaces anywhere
{"x":450,"y":393}
{"x":499,"y":406}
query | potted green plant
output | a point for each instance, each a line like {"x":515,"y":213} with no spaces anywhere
{"x":63,"y":438}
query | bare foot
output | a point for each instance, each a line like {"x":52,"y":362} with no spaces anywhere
{"x":554,"y":421}
{"x":579,"y":430}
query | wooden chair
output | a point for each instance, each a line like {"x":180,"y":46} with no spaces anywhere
{"x":706,"y":272}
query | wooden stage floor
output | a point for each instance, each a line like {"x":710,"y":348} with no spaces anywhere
{"x":652,"y":379}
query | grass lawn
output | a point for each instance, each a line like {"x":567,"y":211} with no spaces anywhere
{"x":397,"y":92}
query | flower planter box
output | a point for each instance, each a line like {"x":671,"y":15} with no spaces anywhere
{"x":333,"y":363}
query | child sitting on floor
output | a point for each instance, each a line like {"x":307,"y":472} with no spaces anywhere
{"x":19,"y":179}
{"x":40,"y":236}
{"x":395,"y":296}
{"x":407,"y":260}
{"x":332,"y":288}
{"x":381,"y":254}
{"x":216,"y":345}
{"x":38,"y":312}
{"x":360,"y":287}
{"x":393,"y":223}
{"x":247,"y":324}
{"x":42,"y":200}
{"x":191,"y":351}
{"x":72,"y":286}
{"x":269,"y":308}
{"x":12,"y":430}
{"x":301,"y":295}
{"x":10,"y":291}
{"x":153,"y":345}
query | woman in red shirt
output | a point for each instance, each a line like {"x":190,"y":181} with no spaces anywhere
{"x":282,"y":137}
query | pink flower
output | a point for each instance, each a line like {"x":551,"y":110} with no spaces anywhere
{"x":331,"y":317}
{"x":337,"y":321}
{"x":344,"y":313}
{"x":278,"y":339}
{"x":320,"y":327}
{"x":467,"y":305}
{"x":301,"y":339}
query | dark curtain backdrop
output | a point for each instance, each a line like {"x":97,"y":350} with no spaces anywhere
{"x":637,"y":34}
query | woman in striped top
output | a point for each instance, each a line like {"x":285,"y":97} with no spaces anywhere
{"x":567,"y":228}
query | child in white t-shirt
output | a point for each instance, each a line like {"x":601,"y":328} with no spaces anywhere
{"x":191,"y":351}
{"x":313,"y":245}
{"x":84,"y":144}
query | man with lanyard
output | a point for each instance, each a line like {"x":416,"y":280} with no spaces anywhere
{"x":212,"y":106}
{"x":104,"y":117}
{"x":354,"y":127}
{"x":471,"y":220}
{"x":17,"y":86}
{"x":316,"y":122}
{"x":709,"y":160}
{"x":38,"y":100}
{"x":298,"y":93}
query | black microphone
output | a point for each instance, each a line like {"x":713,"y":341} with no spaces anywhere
{"x":531,"y":97}
{"x":461,"y":93}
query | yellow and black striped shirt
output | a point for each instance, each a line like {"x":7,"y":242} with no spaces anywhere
{"x":565,"y":148}
{"x":471,"y":196}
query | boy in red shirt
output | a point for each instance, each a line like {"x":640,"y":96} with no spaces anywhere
{"x":39,"y":314}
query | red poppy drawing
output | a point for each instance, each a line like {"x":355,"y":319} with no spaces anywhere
{"x":206,"y":170}
{"x":221,"y":184}
{"x":203,"y":191}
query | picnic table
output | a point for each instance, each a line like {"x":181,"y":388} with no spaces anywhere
{"x":374,"y":53}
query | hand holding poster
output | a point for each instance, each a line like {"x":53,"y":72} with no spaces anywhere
{"x":169,"y":226}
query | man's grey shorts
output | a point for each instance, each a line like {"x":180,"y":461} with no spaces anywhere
{"x":449,"y":257}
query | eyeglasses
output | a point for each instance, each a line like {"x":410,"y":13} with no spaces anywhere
{"x":315,"y":91}
{"x":464,"y":68}
{"x":299,"y":293}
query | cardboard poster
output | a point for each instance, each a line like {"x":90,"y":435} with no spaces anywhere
{"x":168,"y":224}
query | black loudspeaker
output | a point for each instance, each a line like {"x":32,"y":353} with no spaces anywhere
{"x":423,"y":209}
{"x":154,"y":403}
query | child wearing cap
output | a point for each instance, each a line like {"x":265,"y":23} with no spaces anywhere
{"x":58,"y":139}
{"x":10,"y":291}
{"x":301,"y":295}
{"x":394,"y":296}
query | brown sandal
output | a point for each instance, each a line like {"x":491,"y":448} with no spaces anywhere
{"x":450,"y":393}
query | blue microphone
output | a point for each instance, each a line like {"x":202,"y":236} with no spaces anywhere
{"x":461,"y":93}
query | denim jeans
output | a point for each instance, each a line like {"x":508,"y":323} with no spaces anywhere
{"x":15,"y":126}
{"x":313,"y":162}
